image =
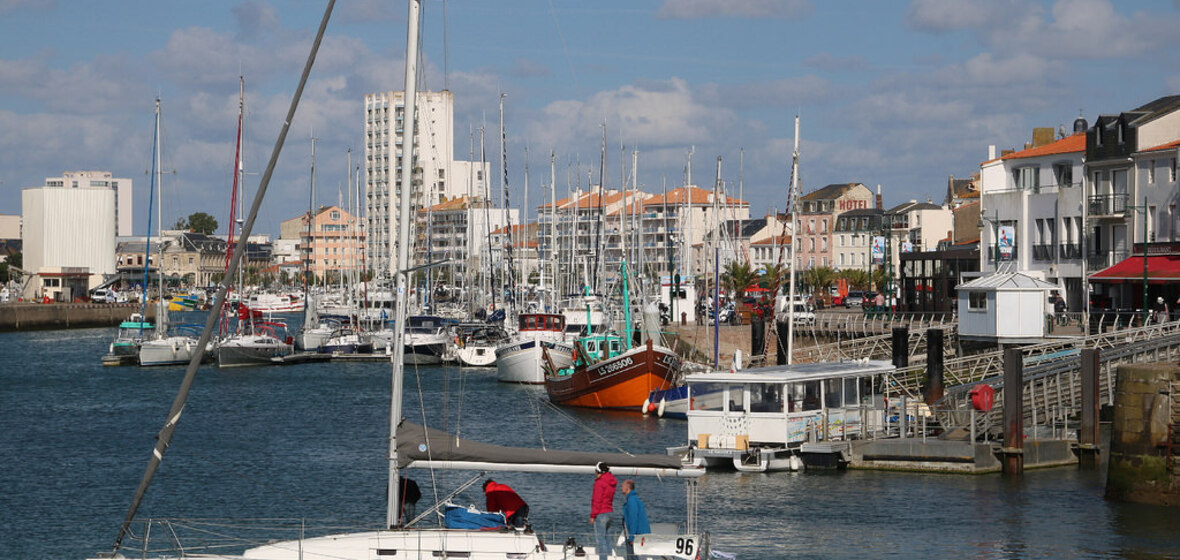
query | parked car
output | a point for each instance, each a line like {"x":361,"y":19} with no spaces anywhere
{"x":854,"y":298}
{"x":103,"y":295}
{"x":803,"y":314}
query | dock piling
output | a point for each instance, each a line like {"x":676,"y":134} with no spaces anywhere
{"x":1088,"y":441}
{"x":1013,"y":450}
{"x":934,"y":366}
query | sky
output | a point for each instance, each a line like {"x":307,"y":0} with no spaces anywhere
{"x":889,"y":92}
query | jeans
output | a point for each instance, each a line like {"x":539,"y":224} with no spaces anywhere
{"x":601,"y":540}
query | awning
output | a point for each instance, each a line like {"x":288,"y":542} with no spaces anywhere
{"x":1161,"y":269}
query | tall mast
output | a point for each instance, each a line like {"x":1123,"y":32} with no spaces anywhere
{"x":401,"y":264}
{"x":793,"y":201}
{"x":553,"y":225}
{"x":158,"y":167}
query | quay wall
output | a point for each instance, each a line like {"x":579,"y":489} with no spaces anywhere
{"x":1144,"y":447}
{"x":35,"y":316}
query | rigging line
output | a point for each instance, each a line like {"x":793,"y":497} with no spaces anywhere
{"x":565,"y":51}
{"x":446,"y":51}
{"x":425,"y":434}
{"x":581,"y":425}
{"x":164,"y":438}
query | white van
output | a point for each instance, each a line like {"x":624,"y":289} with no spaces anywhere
{"x":103,"y":295}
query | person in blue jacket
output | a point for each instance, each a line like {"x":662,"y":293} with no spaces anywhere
{"x":634,"y":516}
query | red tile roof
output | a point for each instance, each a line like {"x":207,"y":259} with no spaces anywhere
{"x":1168,"y":146}
{"x":693,"y":195}
{"x":1068,"y":145}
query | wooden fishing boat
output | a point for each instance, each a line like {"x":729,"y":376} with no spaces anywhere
{"x":607,"y":375}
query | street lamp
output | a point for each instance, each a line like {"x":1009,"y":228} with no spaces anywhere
{"x":995,"y":223}
{"x":1143,"y":210}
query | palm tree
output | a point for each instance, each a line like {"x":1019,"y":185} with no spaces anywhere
{"x":775,"y":277}
{"x":820,"y":280}
{"x":737,"y":277}
{"x":857,"y":279}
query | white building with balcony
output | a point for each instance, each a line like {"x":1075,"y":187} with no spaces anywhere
{"x":437,"y":176}
{"x":1037,"y":192}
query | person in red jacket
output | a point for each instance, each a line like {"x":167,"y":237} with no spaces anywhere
{"x":503,"y":499}
{"x":602,"y":507}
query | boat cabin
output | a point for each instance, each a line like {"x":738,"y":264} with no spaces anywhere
{"x":541,"y":322}
{"x":784,"y":406}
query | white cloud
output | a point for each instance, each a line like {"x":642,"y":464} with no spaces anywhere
{"x":10,"y":6}
{"x":695,"y":9}
{"x":940,"y":16}
{"x":254,"y":18}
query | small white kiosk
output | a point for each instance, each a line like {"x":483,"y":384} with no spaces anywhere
{"x":1005,"y":308}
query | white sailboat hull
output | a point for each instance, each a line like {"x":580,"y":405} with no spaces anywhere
{"x":455,"y":543}
{"x":251,"y":351}
{"x":477,"y":355}
{"x":173,"y":350}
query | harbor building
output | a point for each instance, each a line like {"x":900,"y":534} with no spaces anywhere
{"x":1131,"y":193}
{"x":853,"y":235}
{"x":437,"y":176}
{"x":68,"y":235}
{"x":1033,"y":197}
{"x":916,"y":226}
{"x":461,"y":231}
{"x":818,"y":211}
{"x":333,"y":244}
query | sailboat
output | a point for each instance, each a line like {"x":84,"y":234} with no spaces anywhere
{"x":255,"y":342}
{"x":179,"y":345}
{"x":412,"y":446}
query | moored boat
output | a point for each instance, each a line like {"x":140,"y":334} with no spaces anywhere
{"x":255,"y":346}
{"x":520,"y":358}
{"x":606,"y":376}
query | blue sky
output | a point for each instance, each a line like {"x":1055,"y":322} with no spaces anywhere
{"x":895,"y":93}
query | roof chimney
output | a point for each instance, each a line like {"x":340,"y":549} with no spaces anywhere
{"x":991,"y":152}
{"x":879,"y":203}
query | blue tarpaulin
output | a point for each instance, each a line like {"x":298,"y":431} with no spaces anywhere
{"x":461,"y":518}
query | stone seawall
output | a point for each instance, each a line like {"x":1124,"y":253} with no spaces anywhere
{"x":32,"y":316}
{"x":1143,"y":451}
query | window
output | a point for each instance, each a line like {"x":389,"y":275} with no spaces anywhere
{"x":1063,"y":174}
{"x":1172,"y":171}
{"x":825,"y":226}
{"x":1026,"y":178}
{"x":1150,"y":171}
{"x":977,"y":301}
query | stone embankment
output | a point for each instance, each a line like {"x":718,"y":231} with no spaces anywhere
{"x":33,"y":316}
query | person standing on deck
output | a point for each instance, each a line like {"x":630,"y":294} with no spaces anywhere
{"x":634,"y":517}
{"x":602,"y":507}
{"x":502,"y":498}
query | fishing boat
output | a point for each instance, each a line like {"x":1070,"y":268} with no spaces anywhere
{"x":520,"y":359}
{"x":412,"y":446}
{"x":183,"y":301}
{"x":124,"y":350}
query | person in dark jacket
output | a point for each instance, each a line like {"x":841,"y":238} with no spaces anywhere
{"x":409,"y":496}
{"x":504,"y":499}
{"x":634,"y":517}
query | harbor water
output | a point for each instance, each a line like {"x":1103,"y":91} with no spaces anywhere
{"x":310,"y":442}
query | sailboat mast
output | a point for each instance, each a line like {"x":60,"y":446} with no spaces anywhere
{"x":158,"y":169}
{"x":164,"y":437}
{"x":793,"y":200}
{"x":399,"y":267}
{"x":552,"y":261}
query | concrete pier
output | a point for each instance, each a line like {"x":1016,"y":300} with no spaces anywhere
{"x":1144,"y":446}
{"x":35,"y":316}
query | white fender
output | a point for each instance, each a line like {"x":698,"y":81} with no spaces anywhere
{"x":646,"y":404}
{"x":660,"y":412}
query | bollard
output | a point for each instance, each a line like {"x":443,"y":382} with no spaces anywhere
{"x":901,"y":340}
{"x":683,"y":318}
{"x":1088,"y":457}
{"x":757,"y":336}
{"x":1013,"y":450}
{"x":903,"y":424}
{"x":934,"y":366}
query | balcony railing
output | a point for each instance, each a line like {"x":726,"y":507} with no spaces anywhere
{"x":1070,"y":251}
{"x":1043,"y":252}
{"x":1108,"y":204}
{"x":993,"y":251}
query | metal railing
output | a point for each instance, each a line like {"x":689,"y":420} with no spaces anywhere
{"x":1112,"y":204}
{"x":1070,"y":251}
{"x":1044,"y":251}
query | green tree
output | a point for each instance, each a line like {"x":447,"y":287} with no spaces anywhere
{"x":198,"y":222}
{"x":15,"y":260}
{"x":820,"y":280}
{"x":737,"y":277}
{"x":775,"y":277}
{"x":857,"y":279}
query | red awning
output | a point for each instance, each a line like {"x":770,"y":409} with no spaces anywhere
{"x":1160,"y":269}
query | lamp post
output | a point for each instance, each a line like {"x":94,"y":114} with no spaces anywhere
{"x":995,"y":223}
{"x":1142,"y":209}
